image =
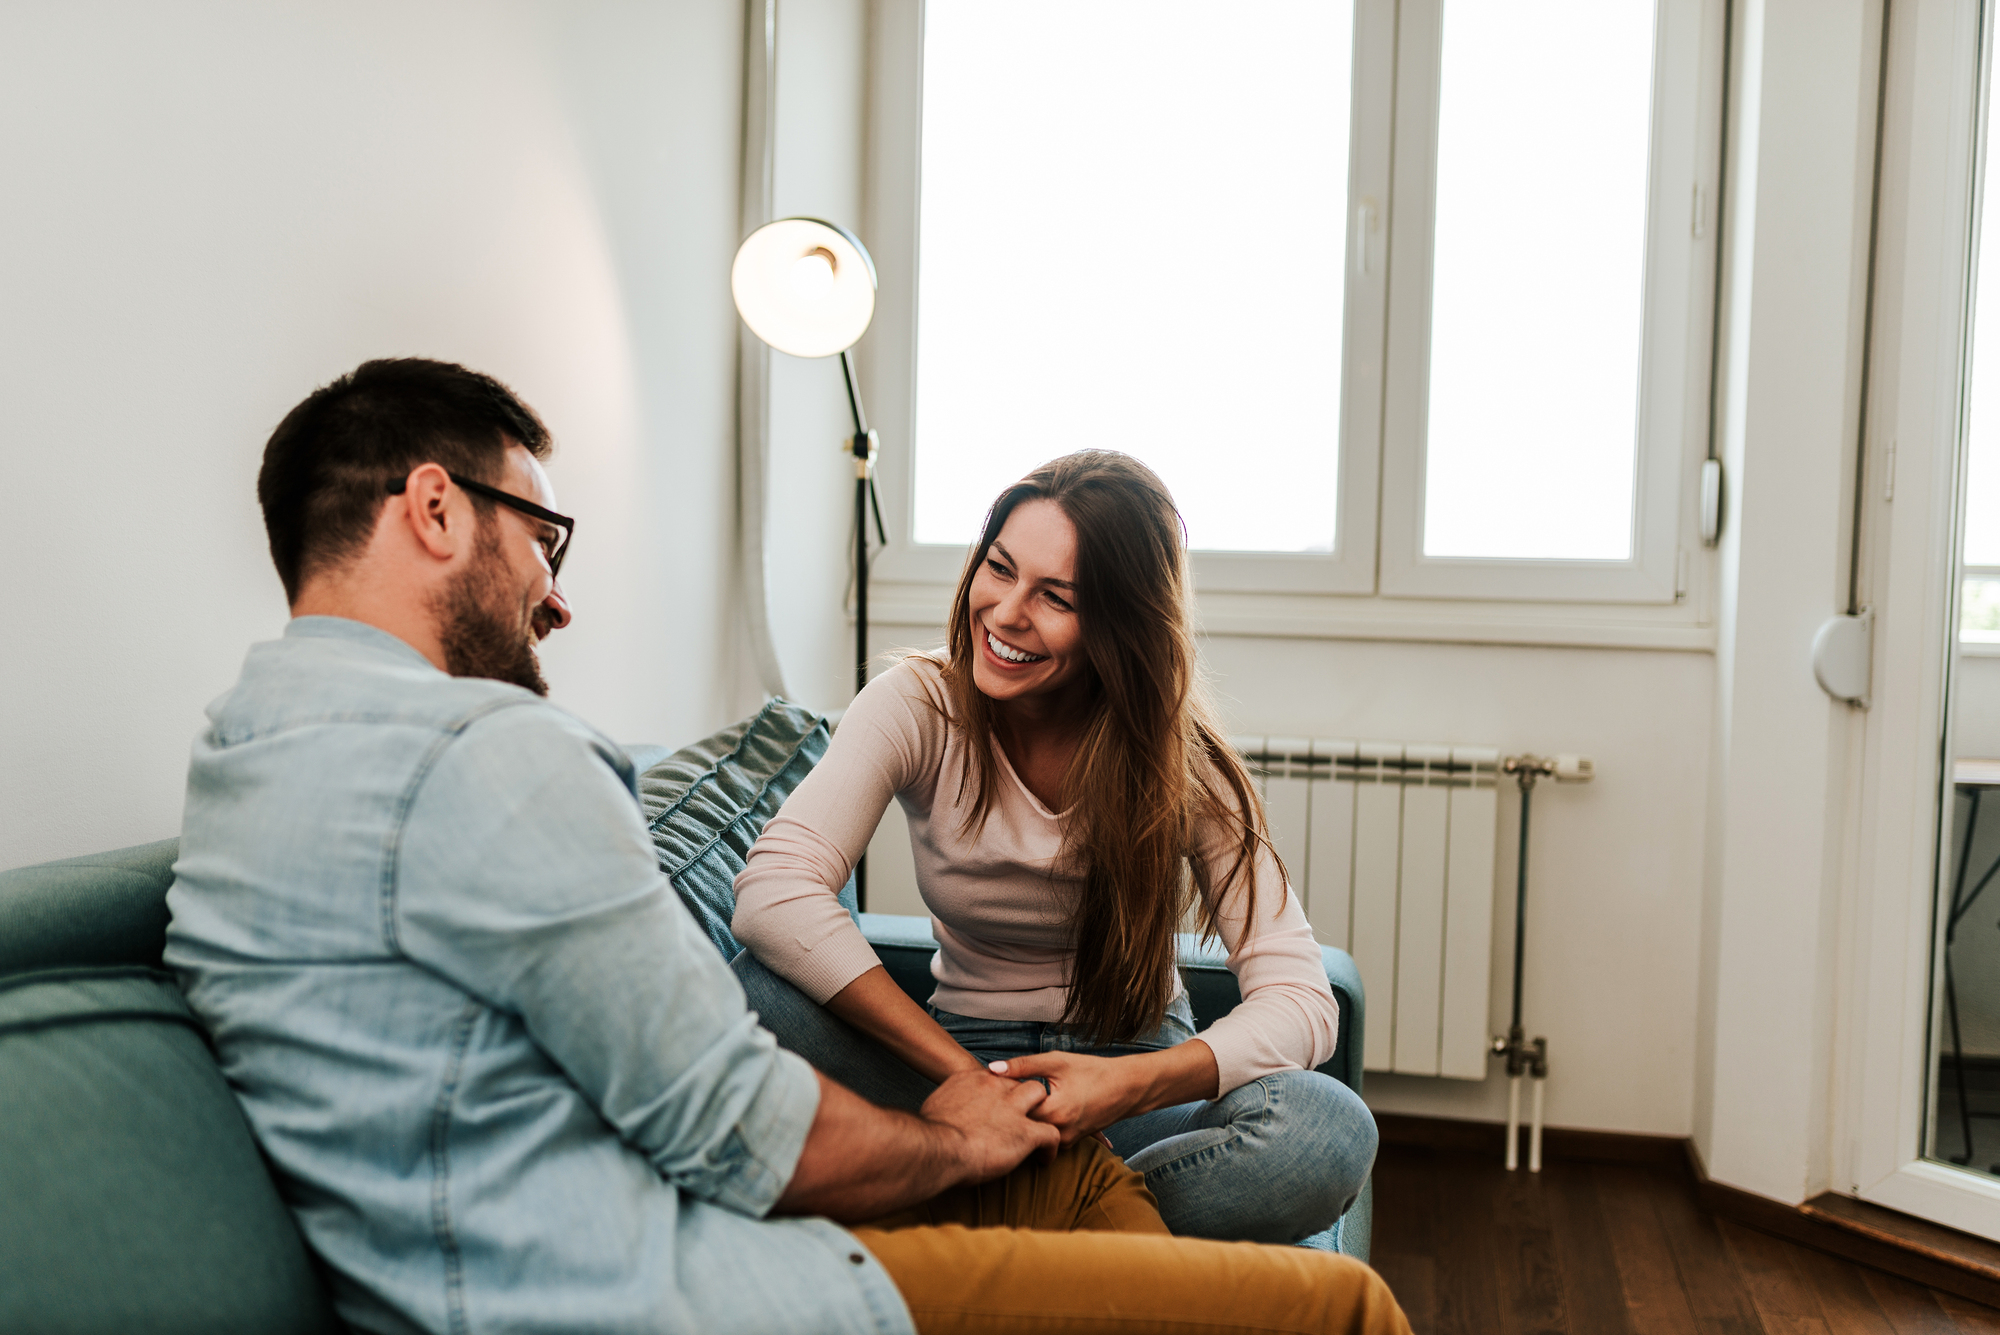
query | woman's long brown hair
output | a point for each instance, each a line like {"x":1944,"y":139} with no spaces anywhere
{"x":1152,"y":766}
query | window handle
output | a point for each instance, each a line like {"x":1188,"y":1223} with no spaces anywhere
{"x":1367,"y":224}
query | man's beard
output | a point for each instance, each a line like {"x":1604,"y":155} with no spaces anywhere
{"x":478,"y":637}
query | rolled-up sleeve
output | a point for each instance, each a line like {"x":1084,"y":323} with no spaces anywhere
{"x":523,"y":873}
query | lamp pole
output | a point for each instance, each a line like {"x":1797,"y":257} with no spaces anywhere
{"x":862,"y":445}
{"x":807,"y":288}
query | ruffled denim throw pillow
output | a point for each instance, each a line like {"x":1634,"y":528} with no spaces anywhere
{"x":707,"y":803}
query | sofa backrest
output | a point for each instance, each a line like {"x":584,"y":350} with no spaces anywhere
{"x":107,"y":908}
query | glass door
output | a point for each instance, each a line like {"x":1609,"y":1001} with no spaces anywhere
{"x":1963,"y":1126}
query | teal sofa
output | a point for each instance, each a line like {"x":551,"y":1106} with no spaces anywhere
{"x":132,"y":1195}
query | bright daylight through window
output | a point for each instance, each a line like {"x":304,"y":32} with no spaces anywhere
{"x":1132,"y":235}
{"x":1979,"y":621}
{"x":1242,"y":242}
{"x":1538,"y":279}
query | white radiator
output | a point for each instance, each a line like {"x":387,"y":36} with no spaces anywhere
{"x":1390,"y":847}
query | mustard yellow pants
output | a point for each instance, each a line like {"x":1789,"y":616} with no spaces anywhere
{"x":1078,"y":1246}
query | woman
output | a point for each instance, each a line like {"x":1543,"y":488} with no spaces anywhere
{"x":1070,"y":797}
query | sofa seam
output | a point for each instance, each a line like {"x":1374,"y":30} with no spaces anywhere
{"x":63,"y":971}
{"x":9,"y":1028}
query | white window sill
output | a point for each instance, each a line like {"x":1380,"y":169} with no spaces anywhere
{"x":1673,"y":628}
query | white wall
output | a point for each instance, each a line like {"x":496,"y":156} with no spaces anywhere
{"x":213,"y":207}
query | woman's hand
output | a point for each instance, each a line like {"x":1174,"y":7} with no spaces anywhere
{"x":1087,"y":1094}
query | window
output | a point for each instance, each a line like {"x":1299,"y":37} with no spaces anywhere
{"x":1979,"y":606}
{"x":1408,"y":300}
{"x":1124,"y":252}
{"x":1538,"y":268}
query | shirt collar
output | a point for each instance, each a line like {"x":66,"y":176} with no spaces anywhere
{"x":354,"y":632}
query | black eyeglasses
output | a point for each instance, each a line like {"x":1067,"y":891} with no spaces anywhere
{"x":554,"y":549}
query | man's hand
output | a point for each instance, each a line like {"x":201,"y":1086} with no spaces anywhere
{"x":1087,"y":1094}
{"x":862,"y":1162}
{"x":995,"y":1121}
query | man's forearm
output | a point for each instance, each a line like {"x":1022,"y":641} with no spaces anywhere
{"x":861,"y":1162}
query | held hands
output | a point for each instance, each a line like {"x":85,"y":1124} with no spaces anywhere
{"x":992,"y":1120}
{"x":1085,"y":1094}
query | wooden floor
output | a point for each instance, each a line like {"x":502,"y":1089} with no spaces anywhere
{"x":1602,"y":1248}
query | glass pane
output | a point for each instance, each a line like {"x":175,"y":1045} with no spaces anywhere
{"x":1982,"y":415}
{"x":1538,"y":280}
{"x":1979,"y":610}
{"x":1964,"y":1090}
{"x":1132,"y":236}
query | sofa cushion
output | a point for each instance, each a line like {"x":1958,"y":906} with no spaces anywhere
{"x":136,"y":1198}
{"x":706,"y":804}
{"x":107,"y":908}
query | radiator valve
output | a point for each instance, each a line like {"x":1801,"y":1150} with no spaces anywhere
{"x":1563,"y":769}
{"x":1523,"y":1057}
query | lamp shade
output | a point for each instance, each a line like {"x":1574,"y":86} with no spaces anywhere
{"x":804,"y":286}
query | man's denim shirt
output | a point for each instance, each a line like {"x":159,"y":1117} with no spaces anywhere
{"x":507,"y":1083}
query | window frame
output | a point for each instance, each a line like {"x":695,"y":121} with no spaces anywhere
{"x":1672,"y":429}
{"x":1370,"y":586}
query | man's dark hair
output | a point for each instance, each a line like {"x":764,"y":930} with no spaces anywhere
{"x":328,"y":466}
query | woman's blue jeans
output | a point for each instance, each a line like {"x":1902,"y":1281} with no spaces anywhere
{"x":1276,"y":1160}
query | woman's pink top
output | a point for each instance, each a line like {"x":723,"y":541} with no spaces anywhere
{"x":996,"y":897}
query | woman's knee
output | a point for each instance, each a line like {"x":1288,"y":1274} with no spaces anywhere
{"x":1346,"y":1117}
{"x":1295,"y":1149}
{"x":1329,"y":1129}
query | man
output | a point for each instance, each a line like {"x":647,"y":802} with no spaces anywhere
{"x":506,"y":1082}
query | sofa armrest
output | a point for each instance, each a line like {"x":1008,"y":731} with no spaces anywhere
{"x":905,"y":945}
{"x":1213,"y":993}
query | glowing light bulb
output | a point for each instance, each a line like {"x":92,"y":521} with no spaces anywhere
{"x":811,"y":278}
{"x":804,"y":286}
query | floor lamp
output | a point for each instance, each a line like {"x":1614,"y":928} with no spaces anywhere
{"x":807,"y":288}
